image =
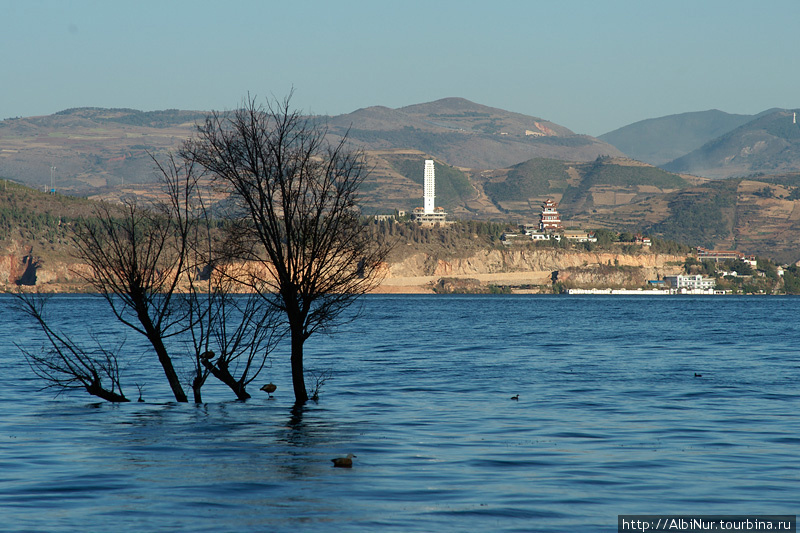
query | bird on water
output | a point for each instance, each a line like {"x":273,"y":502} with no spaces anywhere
{"x":343,"y":462}
{"x":269,"y":388}
{"x":698,"y":375}
{"x":515,"y":397}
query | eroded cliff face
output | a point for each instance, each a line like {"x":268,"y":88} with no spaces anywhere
{"x":581,"y":266}
{"x":21,"y":266}
{"x":18,"y":265}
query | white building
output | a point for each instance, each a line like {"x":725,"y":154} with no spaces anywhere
{"x":691,"y":282}
{"x":429,"y":214}
{"x":509,"y":238}
{"x":579,"y":236}
{"x":429,"y":187}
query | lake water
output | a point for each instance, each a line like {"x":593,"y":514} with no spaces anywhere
{"x":610,"y":420}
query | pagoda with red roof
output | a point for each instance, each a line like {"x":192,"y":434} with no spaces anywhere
{"x":550,"y":220}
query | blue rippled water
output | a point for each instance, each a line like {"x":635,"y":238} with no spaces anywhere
{"x":610,"y":420}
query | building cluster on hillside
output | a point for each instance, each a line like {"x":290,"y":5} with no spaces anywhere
{"x":704,"y":254}
{"x":550,"y":227}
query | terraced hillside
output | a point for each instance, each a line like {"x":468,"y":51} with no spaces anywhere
{"x":466,"y":134}
{"x":758,"y":216}
{"x":578,"y":187}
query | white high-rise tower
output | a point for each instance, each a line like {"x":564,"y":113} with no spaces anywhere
{"x":429,"y":187}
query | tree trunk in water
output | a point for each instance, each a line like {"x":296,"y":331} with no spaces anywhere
{"x":96,"y":390}
{"x":163,"y":357}
{"x":222,"y":373}
{"x":169,"y":370}
{"x":198,"y":396}
{"x":298,"y":379}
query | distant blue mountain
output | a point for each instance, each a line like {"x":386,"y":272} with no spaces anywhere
{"x":660,"y":140}
{"x":767,"y":144}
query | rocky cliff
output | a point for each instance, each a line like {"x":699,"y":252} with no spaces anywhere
{"x":21,"y":266}
{"x":583,"y":267}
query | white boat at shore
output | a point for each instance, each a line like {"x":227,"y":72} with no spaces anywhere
{"x":646,"y":292}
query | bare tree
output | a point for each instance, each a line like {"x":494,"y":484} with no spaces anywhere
{"x":159,"y":269}
{"x":233,"y":333}
{"x":137,"y":256}
{"x":137,"y":261}
{"x":298,"y":216}
{"x":67,"y":365}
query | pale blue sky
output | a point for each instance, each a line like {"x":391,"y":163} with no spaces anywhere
{"x":591,"y":66}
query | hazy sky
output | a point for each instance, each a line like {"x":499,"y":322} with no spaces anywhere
{"x":592,"y":66}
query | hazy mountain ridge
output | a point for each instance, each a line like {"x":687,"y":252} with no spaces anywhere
{"x":660,"y":140}
{"x":768,"y":144}
{"x":134,"y":117}
{"x":96,"y":150}
{"x":714,"y":144}
{"x":465,"y":134}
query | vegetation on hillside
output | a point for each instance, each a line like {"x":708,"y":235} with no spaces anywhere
{"x":541,"y":177}
{"x":784,"y":129}
{"x":133,"y":117}
{"x":452,"y":186}
{"x":791,"y":280}
{"x":791,"y":181}
{"x":459,"y":239}
{"x":605,"y":173}
{"x":701,"y":216}
{"x":536,"y":177}
{"x":39,"y":219}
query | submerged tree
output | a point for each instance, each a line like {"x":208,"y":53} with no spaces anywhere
{"x":146,"y":261}
{"x":297,"y":215}
{"x":295,"y":240}
{"x":66,"y":365}
{"x":232,"y":334}
{"x":138,"y":258}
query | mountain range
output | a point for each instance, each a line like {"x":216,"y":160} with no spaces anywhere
{"x":660,"y":140}
{"x":655,"y":175}
{"x":715,"y":144}
{"x":465,"y":134}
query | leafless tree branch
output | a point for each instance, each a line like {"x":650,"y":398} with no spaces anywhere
{"x":66,"y":365}
{"x":298,"y":216}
